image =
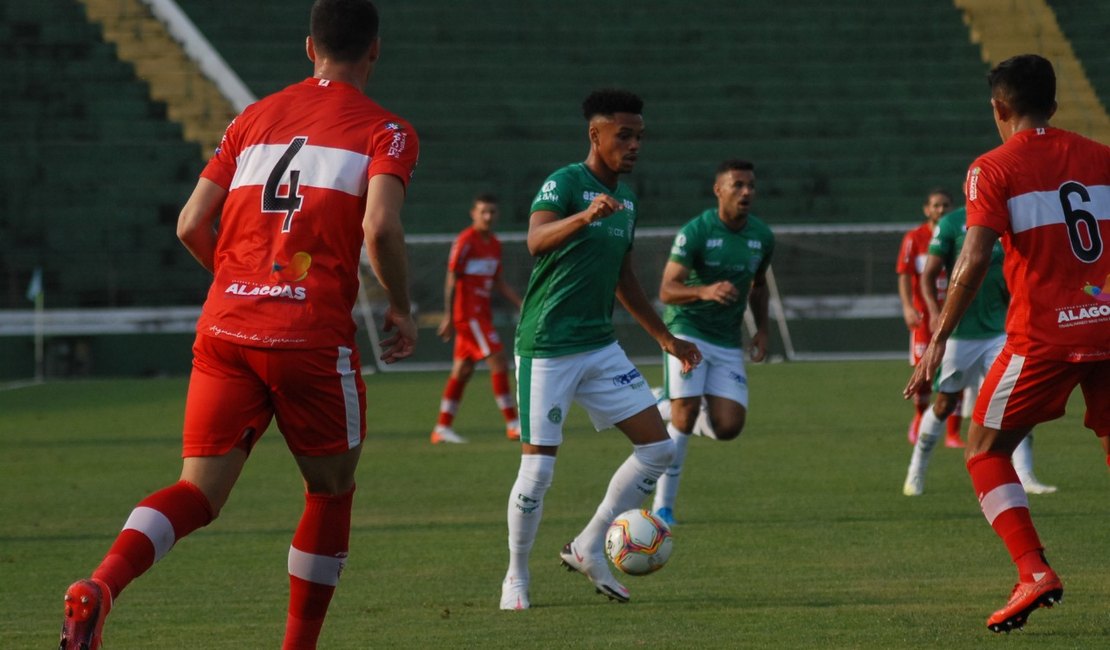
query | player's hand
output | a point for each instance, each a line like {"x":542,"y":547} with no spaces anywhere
{"x":403,"y":341}
{"x":445,"y":330}
{"x":759,"y":346}
{"x":684,"y":351}
{"x":926,"y":369}
{"x":912,"y":318}
{"x":602,"y":206}
{"x":723,"y":292}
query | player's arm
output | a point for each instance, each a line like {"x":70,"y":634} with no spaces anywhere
{"x":196,"y":225}
{"x":385,"y":244}
{"x":905,"y":293}
{"x":759,"y":299}
{"x":446,"y":327}
{"x":673,"y":289}
{"x":971,"y":267}
{"x":548,"y":231}
{"x":934,"y":264}
{"x":632,"y":296}
{"x":506,"y":290}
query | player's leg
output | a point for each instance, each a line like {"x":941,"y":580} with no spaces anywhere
{"x":549,"y":385}
{"x":617,"y":395}
{"x":462,"y":369}
{"x":919,"y":341}
{"x":953,"y":423}
{"x":320,"y":403}
{"x":929,"y":433}
{"x":503,"y":394}
{"x":1018,"y":393}
{"x":686,"y":390}
{"x":226,"y":410}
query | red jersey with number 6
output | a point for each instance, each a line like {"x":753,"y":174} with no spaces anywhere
{"x":475,"y":260}
{"x":290,"y":234}
{"x":1046,"y":191}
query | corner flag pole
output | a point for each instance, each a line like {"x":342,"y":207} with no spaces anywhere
{"x":35,"y":292}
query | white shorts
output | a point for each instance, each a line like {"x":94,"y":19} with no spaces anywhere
{"x":603,"y":381}
{"x":966,"y":362}
{"x":721,"y":373}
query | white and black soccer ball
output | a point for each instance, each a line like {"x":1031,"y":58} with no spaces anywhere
{"x":638,"y":542}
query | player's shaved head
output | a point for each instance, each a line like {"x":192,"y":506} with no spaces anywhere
{"x":735,"y":164}
{"x":1027,"y":84}
{"x":343,"y":29}
{"x":610,"y":101}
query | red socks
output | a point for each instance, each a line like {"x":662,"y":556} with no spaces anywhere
{"x":153,"y":528}
{"x":1006,"y":508}
{"x":316,"y":558}
{"x":449,"y":403}
{"x":503,"y":395}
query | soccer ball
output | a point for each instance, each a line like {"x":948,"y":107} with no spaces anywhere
{"x":638,"y":542}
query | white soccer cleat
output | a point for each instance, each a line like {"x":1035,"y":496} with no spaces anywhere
{"x":446,"y":434}
{"x":914,"y":485}
{"x":597,"y":570}
{"x":1033,"y":486}
{"x":514,"y":594}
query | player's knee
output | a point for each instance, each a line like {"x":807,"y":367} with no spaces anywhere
{"x":729,"y":430}
{"x":945,"y":405}
{"x":656,"y":455}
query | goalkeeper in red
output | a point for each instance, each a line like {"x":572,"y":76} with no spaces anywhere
{"x":301,"y":181}
{"x":717,"y":267}
{"x":1046,"y":193}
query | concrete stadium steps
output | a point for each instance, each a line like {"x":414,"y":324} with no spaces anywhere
{"x":1086,"y":23}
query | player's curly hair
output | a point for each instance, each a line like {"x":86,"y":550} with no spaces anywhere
{"x":343,"y":29}
{"x":609,"y":101}
{"x":1027,"y":83}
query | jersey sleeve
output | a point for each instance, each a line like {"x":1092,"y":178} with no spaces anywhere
{"x":944,"y":240}
{"x":396,"y":150}
{"x":987,"y":197}
{"x":686,"y":245}
{"x":554,"y":195}
{"x":460,"y":251}
{"x":221,"y":167}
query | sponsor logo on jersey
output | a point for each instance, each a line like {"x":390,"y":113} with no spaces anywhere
{"x":548,"y":197}
{"x":555,"y":415}
{"x":549,"y":186}
{"x":397,"y":146}
{"x":738,"y":378}
{"x":483,"y":266}
{"x":392,"y":126}
{"x":973,"y":183}
{"x":272,"y":290}
{"x":590,"y":196}
{"x":627,"y":378}
{"x":755,"y":244}
{"x":1084,"y":315}
{"x":714,"y":243}
{"x":1101,"y":294}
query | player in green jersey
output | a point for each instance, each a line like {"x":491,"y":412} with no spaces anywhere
{"x":972,"y":348}
{"x":717,"y":266}
{"x":580,"y":231}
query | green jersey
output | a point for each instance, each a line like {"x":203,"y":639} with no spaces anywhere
{"x":713,"y":253}
{"x":568,"y":305}
{"x":986,"y":315}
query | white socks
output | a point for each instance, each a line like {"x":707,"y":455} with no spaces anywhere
{"x":929,"y":431}
{"x":633,"y":482}
{"x":526,"y":508}
{"x":667,"y":490}
{"x":1023,"y":459}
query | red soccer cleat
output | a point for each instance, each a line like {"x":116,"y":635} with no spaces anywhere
{"x":87,"y":605}
{"x":953,"y":441}
{"x":1026,"y":597}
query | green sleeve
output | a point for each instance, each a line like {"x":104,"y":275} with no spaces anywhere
{"x":554,"y":195}
{"x":687,"y":245}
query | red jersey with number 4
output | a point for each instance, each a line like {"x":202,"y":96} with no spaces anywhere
{"x":296,"y":165}
{"x":1046,"y":191}
{"x":475,"y":260}
{"x":911,"y":261}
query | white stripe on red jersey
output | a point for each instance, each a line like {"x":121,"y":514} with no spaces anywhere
{"x":324,"y":167}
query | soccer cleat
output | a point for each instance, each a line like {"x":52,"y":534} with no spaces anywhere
{"x":514,"y":594}
{"x":1026,"y":597}
{"x":87,"y":605}
{"x":512,"y":430}
{"x":445,"y":434}
{"x":1033,"y":486}
{"x":597,"y":570}
{"x":953,"y":441}
{"x":667,"y":515}
{"x":914,"y":485}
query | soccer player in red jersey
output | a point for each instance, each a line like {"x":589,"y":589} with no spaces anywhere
{"x":300,"y":181}
{"x":1046,"y":193}
{"x":473,"y":272}
{"x":911,"y":263}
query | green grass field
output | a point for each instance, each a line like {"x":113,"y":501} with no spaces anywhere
{"x":796,"y":535}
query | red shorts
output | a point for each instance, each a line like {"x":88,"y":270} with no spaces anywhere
{"x":1021,"y":392}
{"x":919,"y":340}
{"x":318,"y":397}
{"x":475,"y":339}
